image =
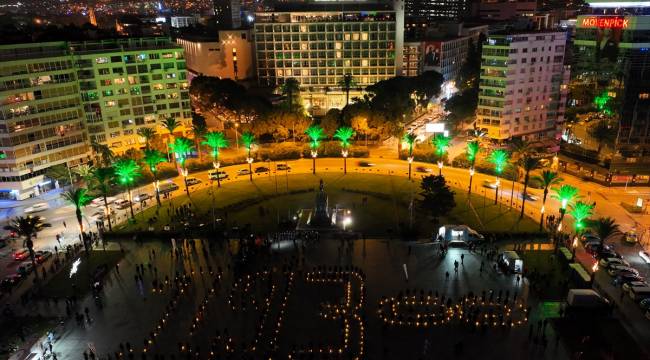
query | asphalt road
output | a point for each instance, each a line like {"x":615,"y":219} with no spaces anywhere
{"x":607,"y":200}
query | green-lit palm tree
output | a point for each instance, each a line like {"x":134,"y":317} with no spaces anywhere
{"x":315,"y":134}
{"x":153,"y":158}
{"x":248,"y":139}
{"x":409,"y":140}
{"x":605,"y":227}
{"x":499,"y":158}
{"x":28,"y":227}
{"x":182,"y":147}
{"x":347,"y":83}
{"x":344,"y":134}
{"x":441,"y":144}
{"x":102,"y":181}
{"x":79,"y":198}
{"x":291,"y":88}
{"x":126,"y":171}
{"x":471,"y":151}
{"x":565,"y":194}
{"x":549,"y":178}
{"x":528,"y":163}
{"x":216,"y":140}
{"x":199,"y":129}
{"x":171,"y":124}
{"x":147,"y":134}
{"x":580,"y":212}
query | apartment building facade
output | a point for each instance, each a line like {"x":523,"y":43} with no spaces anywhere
{"x":58,"y":97}
{"x":41,"y":116}
{"x":523,"y":86}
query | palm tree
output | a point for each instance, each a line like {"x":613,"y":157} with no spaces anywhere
{"x":171,"y":124}
{"x":152,"y":158}
{"x":216,"y":140}
{"x":199,"y":129}
{"x":500,"y":159}
{"x":344,"y":134}
{"x":565,"y":194}
{"x":409,"y":140}
{"x":248,"y":139}
{"x":604,"y":227}
{"x":315,"y":134}
{"x":472,"y":150}
{"x":28,"y":227}
{"x":103,"y":177}
{"x":528,"y":163}
{"x":548,"y":179}
{"x":147,"y":133}
{"x":103,"y":154}
{"x":518,"y":149}
{"x":441,"y":144}
{"x":347,"y":83}
{"x":126,"y":171}
{"x":84,"y":171}
{"x":79,"y":198}
{"x":182,"y":147}
{"x":580,"y":211}
{"x":290,"y":89}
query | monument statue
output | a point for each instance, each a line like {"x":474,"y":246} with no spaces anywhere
{"x":321,"y":215}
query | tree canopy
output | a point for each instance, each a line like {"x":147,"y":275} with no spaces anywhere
{"x":437,"y":198}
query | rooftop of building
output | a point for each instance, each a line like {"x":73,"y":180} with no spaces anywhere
{"x":330,"y":6}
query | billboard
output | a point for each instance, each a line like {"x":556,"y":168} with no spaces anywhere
{"x":432,"y":54}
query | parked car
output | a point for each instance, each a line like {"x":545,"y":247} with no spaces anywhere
{"x":42,"y":255}
{"x":423,"y":169}
{"x":25,"y":268}
{"x":630,"y":237}
{"x":593,"y":248}
{"x":122,"y":204}
{"x":620,"y":269}
{"x":193,"y":181}
{"x":282,"y":166}
{"x":261,"y":169}
{"x":141,"y":197}
{"x":645,"y":256}
{"x":529,"y":197}
{"x":489,"y":184}
{"x":607,"y":254}
{"x":608,"y":262}
{"x":627,"y":286}
{"x":20,"y":255}
{"x":639,"y":293}
{"x":627,"y":278}
{"x":36,"y":208}
{"x":217,"y":174}
{"x":9,"y":282}
{"x":100,"y":201}
{"x":167,"y":187}
{"x":366,"y":164}
{"x":243,"y":172}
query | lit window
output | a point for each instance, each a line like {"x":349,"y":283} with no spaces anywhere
{"x":101,"y":60}
{"x":644,"y":96}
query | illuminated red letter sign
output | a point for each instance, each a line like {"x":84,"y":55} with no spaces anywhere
{"x":605,"y":22}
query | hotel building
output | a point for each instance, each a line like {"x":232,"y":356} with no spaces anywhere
{"x":319,"y":43}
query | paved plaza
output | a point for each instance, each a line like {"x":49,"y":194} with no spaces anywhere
{"x":320,"y":299}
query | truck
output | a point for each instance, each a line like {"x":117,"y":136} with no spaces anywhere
{"x":586,"y":302}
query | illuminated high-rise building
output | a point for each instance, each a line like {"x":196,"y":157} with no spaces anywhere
{"x":319,"y":43}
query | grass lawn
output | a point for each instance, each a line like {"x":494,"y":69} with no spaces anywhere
{"x":61,"y":285}
{"x":374,"y":218}
{"x":550,"y":281}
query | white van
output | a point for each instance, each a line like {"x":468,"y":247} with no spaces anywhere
{"x":217,"y":174}
{"x":639,"y":293}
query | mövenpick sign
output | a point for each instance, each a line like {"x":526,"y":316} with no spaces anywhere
{"x":602,"y":22}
